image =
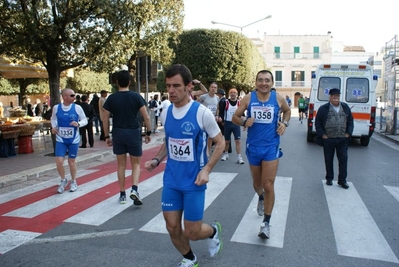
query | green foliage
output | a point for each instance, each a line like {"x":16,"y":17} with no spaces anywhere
{"x":228,"y":58}
{"x":86,"y":81}
{"x":8,"y":88}
{"x":161,"y":86}
{"x":101,"y":33}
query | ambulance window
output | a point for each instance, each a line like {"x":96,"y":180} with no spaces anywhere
{"x":357,"y":90}
{"x":325,"y":84}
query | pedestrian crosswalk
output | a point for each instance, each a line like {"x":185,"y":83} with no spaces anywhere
{"x":23,"y":217}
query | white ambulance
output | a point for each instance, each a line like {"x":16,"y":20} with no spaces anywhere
{"x":357,"y":85}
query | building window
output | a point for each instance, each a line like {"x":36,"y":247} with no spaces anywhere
{"x":278,"y":78}
{"x":296,"y":52}
{"x":277,"y":51}
{"x":316,"y":52}
{"x":298,"y":79}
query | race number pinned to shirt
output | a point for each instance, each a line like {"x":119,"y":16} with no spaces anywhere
{"x":181,"y":149}
{"x":65,"y":132}
{"x":262,"y":114}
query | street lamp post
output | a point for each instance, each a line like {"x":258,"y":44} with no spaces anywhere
{"x":241,"y":27}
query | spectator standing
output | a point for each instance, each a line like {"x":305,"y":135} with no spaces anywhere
{"x":86,"y":132}
{"x":165,"y":103}
{"x":38,"y":108}
{"x":306,"y":106}
{"x":186,"y":174}
{"x":155,"y":107}
{"x":263,"y":141}
{"x":96,"y":118}
{"x":66,"y":119}
{"x":29,"y":108}
{"x":101,"y":102}
{"x":334,"y":125}
{"x":1,"y":110}
{"x":78,"y":101}
{"x":125,"y":105}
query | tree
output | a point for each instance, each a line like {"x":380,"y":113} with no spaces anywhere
{"x":101,"y":33}
{"x":228,"y":58}
{"x":86,"y":81}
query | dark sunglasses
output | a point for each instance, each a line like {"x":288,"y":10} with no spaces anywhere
{"x":72,"y":95}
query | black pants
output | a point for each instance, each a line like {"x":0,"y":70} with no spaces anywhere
{"x":330,"y":145}
{"x":88,"y":129}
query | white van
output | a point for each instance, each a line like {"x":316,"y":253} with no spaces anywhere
{"x":357,"y":85}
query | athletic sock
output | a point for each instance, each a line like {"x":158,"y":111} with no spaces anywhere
{"x":266,"y":218}
{"x":135,"y":187}
{"x":189,"y":255}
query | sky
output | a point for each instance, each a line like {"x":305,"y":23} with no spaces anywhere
{"x":353,"y":22}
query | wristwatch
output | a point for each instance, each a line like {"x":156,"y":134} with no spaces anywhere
{"x":286,"y":123}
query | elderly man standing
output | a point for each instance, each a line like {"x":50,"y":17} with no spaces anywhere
{"x":334,"y":125}
{"x":66,"y":119}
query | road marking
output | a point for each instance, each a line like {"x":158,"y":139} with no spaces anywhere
{"x":356,"y":233}
{"x":247,"y":230}
{"x":10,"y":239}
{"x":107,"y":209}
{"x":56,"y":200}
{"x":80,"y":236}
{"x":218,"y":181}
{"x":394,"y":190}
{"x":37,"y":187}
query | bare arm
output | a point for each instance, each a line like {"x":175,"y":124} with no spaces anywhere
{"x":237,"y":118}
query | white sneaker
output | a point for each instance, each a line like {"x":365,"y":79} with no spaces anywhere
{"x":239,"y":160}
{"x":134,"y":195}
{"x":225,"y":156}
{"x":63,"y":184}
{"x":264,"y":232}
{"x":188,"y":263}
{"x":215,"y":244}
{"x":74,"y":186}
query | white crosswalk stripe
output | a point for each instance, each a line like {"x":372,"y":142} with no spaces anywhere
{"x":356,"y":233}
{"x":217,"y":183}
{"x":247,"y":230}
{"x":107,"y":209}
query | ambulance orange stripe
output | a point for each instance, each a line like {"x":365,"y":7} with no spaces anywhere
{"x":355,"y":115}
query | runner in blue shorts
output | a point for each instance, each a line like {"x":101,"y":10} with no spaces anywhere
{"x":187,"y":124}
{"x":66,"y":119}
{"x":263,"y":107}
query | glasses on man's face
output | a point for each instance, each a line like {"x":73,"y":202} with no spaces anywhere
{"x":72,"y":95}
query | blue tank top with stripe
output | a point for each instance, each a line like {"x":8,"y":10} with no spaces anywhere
{"x":263,"y":131}
{"x":186,"y":146}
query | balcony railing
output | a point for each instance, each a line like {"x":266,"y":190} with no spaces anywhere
{"x":297,"y":84}
{"x":297,"y":55}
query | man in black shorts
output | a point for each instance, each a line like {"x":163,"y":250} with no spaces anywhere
{"x":124,"y":106}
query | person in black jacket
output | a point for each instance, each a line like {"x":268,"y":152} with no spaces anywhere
{"x":96,"y":118}
{"x":89,"y":112}
{"x":334,"y":127}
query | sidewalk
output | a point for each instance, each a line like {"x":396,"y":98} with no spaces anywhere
{"x":27,"y":167}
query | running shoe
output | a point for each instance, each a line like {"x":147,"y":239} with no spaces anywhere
{"x":260,"y":208}
{"x":61,"y":187}
{"x":188,"y":263}
{"x":264,"y":232}
{"x":225,"y":156}
{"x":134,"y":195}
{"x":215,"y":244}
{"x":74,"y":186}
{"x":122,"y":199}
{"x":239,"y":160}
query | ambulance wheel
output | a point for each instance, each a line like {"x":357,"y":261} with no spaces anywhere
{"x":310,"y":137}
{"x":364,"y":141}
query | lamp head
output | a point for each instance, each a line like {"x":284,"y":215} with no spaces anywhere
{"x":214,"y":22}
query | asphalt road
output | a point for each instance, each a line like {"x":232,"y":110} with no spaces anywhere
{"x":312,"y":224}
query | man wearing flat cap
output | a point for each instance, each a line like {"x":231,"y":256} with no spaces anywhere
{"x":334,"y":127}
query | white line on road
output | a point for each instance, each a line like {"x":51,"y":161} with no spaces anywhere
{"x":356,"y":233}
{"x":394,"y":190}
{"x":10,"y":239}
{"x":107,"y":209}
{"x":54,"y":201}
{"x":247,"y":230}
{"x":80,"y":236}
{"x":218,"y":181}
